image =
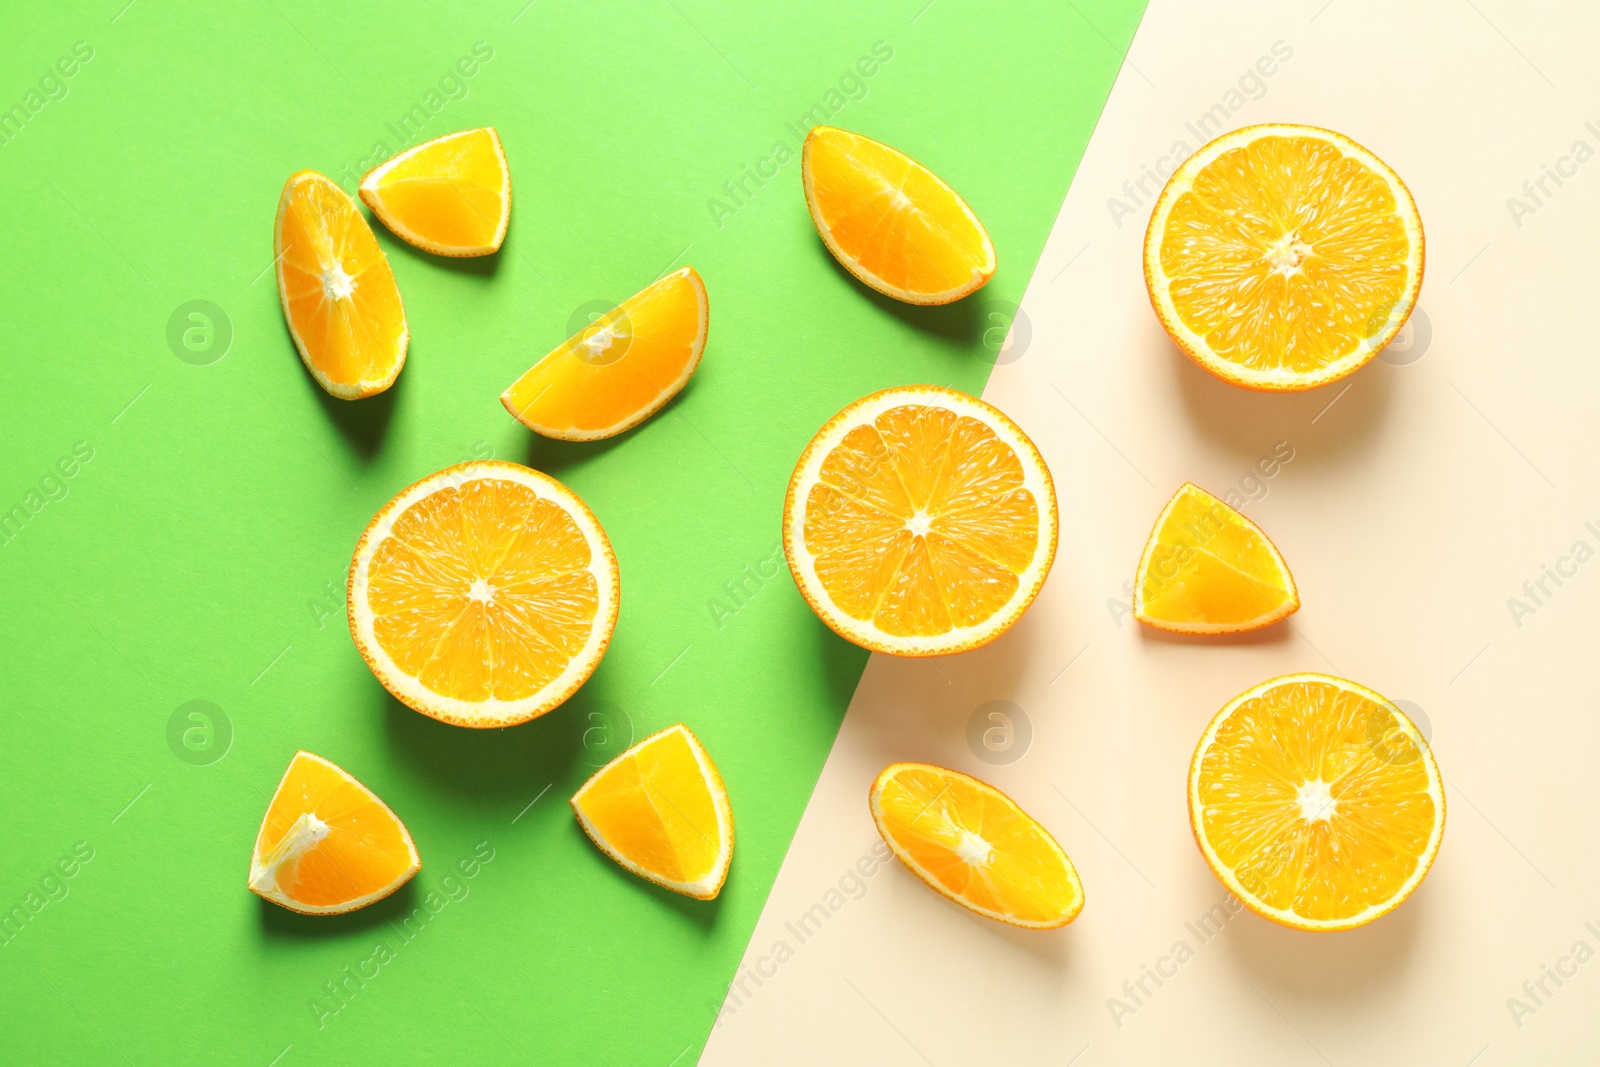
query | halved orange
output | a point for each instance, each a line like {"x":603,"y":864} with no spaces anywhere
{"x":1283,"y":257}
{"x":620,"y":369}
{"x":1207,"y":569}
{"x":339,"y":296}
{"x":327,"y":845}
{"x":1316,"y":801}
{"x":661,"y":811}
{"x":920,"y":521}
{"x":450,"y":196}
{"x":892,"y":222}
{"x":971,"y":844}
{"x":483,"y":595}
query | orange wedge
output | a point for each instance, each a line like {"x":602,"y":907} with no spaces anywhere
{"x":620,"y":369}
{"x":971,"y":844}
{"x":1209,"y":570}
{"x":483,"y":595}
{"x":920,"y":521}
{"x":338,"y":293}
{"x":1316,"y":801}
{"x":1283,"y":257}
{"x":891,"y":221}
{"x":660,"y":810}
{"x":450,"y":196}
{"x":327,"y":845}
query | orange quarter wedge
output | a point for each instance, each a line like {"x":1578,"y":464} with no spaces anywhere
{"x":483,"y":595}
{"x":450,"y":196}
{"x":660,"y":810}
{"x":920,"y":521}
{"x":892,"y":222}
{"x":1316,"y":801}
{"x":1283,"y":257}
{"x":327,"y":845}
{"x":971,"y":844}
{"x":339,"y":296}
{"x":620,"y":369}
{"x":1207,"y":569}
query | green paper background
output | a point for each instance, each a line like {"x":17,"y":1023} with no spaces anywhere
{"x":200,"y":552}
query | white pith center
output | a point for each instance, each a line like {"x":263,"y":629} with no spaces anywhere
{"x":974,"y":849}
{"x":1287,"y":254}
{"x":1316,"y":801}
{"x":336,"y":284}
{"x":600,"y":341}
{"x":301,"y":838}
{"x":481,"y":591}
{"x":919,"y":523}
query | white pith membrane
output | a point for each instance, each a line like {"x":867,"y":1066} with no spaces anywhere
{"x":1310,"y":805}
{"x":1286,"y":255}
{"x":712,"y":879}
{"x":303,"y":836}
{"x":492,"y":711}
{"x":808,"y":474}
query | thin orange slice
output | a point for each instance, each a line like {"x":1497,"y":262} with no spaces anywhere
{"x":660,"y":810}
{"x":1283,"y":257}
{"x":327,"y":845}
{"x":483,"y":595}
{"x":339,"y":296}
{"x":971,"y":844}
{"x":620,"y":369}
{"x":1209,"y":570}
{"x":920,"y":521}
{"x":450,"y":196}
{"x":892,"y":222}
{"x":1316,"y":801}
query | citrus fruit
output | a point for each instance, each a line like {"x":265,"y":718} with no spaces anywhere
{"x":1209,"y":570}
{"x":891,"y":221}
{"x":660,"y":810}
{"x":971,"y":844}
{"x":450,"y":196}
{"x":620,"y":369}
{"x":920,"y":521}
{"x":326,"y":844}
{"x":339,"y":297}
{"x":483,"y":595}
{"x":1316,"y":801}
{"x":1283,"y":257}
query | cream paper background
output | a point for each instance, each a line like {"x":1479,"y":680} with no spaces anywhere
{"x":1419,"y":499}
